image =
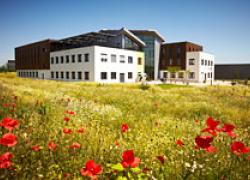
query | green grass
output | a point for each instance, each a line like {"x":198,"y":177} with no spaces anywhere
{"x":157,"y":116}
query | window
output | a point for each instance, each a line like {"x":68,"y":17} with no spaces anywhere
{"x":62,"y":75}
{"x":103,"y":75}
{"x":52,"y":60}
{"x":170,"y":61}
{"x":208,"y":63}
{"x":52,"y":74}
{"x":79,"y":58}
{"x":181,"y":75}
{"x":191,"y":75}
{"x":122,"y":59}
{"x":139,"y":61}
{"x":104,"y":58}
{"x":62,"y":59}
{"x":72,"y":58}
{"x":172,"y":75}
{"x":113,"y":58}
{"x":208,"y":75}
{"x":178,"y":61}
{"x":73,"y":75}
{"x":67,"y":75}
{"x":57,"y":75}
{"x":79,"y":75}
{"x":37,"y":74}
{"x":130,"y":75}
{"x":165,"y":74}
{"x":178,"y":50}
{"x":113,"y":75}
{"x":86,"y":74}
{"x":57,"y":60}
{"x":202,"y":62}
{"x":191,"y":61}
{"x":130,"y":60}
{"x":211,"y":63}
{"x":67,"y":59}
{"x":205,"y":62}
{"x":86,"y":57}
{"x":33,"y":74}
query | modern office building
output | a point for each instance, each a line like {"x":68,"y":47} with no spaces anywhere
{"x":95,"y":56}
{"x":186,"y":61}
{"x":153,"y":41}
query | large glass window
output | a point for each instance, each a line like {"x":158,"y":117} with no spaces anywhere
{"x":113,"y":75}
{"x":86,"y":57}
{"x":191,"y":61}
{"x":79,"y":58}
{"x":122,"y":59}
{"x":104,"y":57}
{"x":130,"y":59}
{"x":113,"y":58}
{"x":130,"y":75}
{"x":191,"y":75}
{"x":86,"y":75}
{"x":103,"y":75}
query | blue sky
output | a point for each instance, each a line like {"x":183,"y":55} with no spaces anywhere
{"x":221,"y":26}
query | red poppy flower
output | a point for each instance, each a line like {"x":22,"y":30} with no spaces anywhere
{"x":36,"y":148}
{"x":52,"y":146}
{"x":66,"y":119}
{"x":211,"y":149}
{"x":9,"y":123}
{"x":91,"y":169}
{"x":70,"y":112}
{"x":80,"y":130}
{"x":179,"y":143}
{"x":203,"y":141}
{"x":239,"y":148}
{"x":5,"y":105}
{"x":228,"y":128}
{"x":211,"y":126}
{"x":75,"y":145}
{"x":161,"y":159}
{"x":129,"y":160}
{"x":67,"y":131}
{"x":8,"y":140}
{"x":5,"y":160}
{"x":124,"y":128}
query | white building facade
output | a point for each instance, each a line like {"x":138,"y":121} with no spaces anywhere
{"x":98,"y":64}
{"x":199,"y":69}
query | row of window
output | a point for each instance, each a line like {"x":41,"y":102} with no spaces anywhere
{"x":28,"y":74}
{"x":191,"y":75}
{"x":104,"y":75}
{"x":66,"y":75}
{"x":67,"y":59}
{"x":203,"y":62}
{"x":122,"y":59}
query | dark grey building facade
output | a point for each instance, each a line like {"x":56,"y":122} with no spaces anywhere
{"x":232,"y":71}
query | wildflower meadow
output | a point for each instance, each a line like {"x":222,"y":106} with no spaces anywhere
{"x":75,"y":130}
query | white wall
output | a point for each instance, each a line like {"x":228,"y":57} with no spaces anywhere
{"x":95,"y":66}
{"x":156,"y":58}
{"x":199,"y":69}
{"x":117,"y":67}
{"x":73,"y":67}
